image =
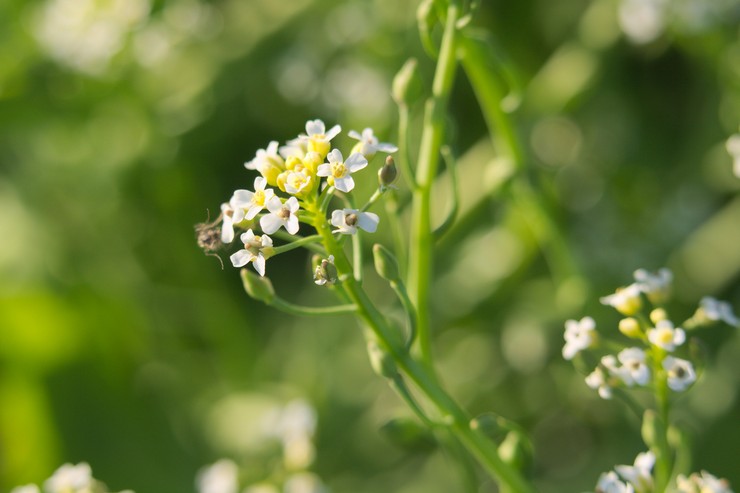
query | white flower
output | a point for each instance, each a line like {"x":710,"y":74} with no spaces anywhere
{"x":368,"y":143}
{"x":254,"y":251}
{"x":639,"y":474}
{"x":680,"y":372}
{"x":597,"y":381}
{"x":626,"y":300}
{"x":220,"y":477}
{"x":252,"y":203}
{"x":716,"y":310}
{"x":704,"y":483}
{"x":29,"y":488}
{"x":578,"y":336}
{"x":609,"y":483}
{"x":303,"y":482}
{"x":733,"y":148}
{"x":281,"y":215}
{"x":317,"y":138}
{"x":69,"y":478}
{"x":665,"y":336}
{"x":339,"y":171}
{"x":265,"y":159}
{"x":297,"y":181}
{"x":656,"y":286}
{"x":633,"y":366}
{"x":348,"y":220}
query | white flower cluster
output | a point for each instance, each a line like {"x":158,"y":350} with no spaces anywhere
{"x":69,"y":479}
{"x":296,"y":170}
{"x":638,"y":478}
{"x":655,"y":362}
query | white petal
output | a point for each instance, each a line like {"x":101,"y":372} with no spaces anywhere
{"x":355,"y":162}
{"x":272,"y":147}
{"x":353,"y":134}
{"x":270,"y":223}
{"x":386,"y":147}
{"x":292,"y":225}
{"x":266,"y":241}
{"x":260,"y":183}
{"x":344,"y":184}
{"x":247,"y":236}
{"x":333,"y":132}
{"x":259,"y":264}
{"x":335,"y":156}
{"x":368,"y":221}
{"x":324,"y":170}
{"x":274,"y":204}
{"x":337,"y":218}
{"x":292,"y":204}
{"x":238,"y":215}
{"x":240,"y":197}
{"x":253,"y":211}
{"x":227,"y":230}
{"x":241,"y":258}
{"x":315,"y":127}
{"x":251,"y":164}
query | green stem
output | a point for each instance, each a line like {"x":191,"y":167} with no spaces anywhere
{"x":451,"y":166}
{"x":304,"y":241}
{"x":311,"y":311}
{"x":663,"y":455}
{"x":393,"y":210}
{"x":408,"y":307}
{"x":404,"y":161}
{"x":420,"y":257}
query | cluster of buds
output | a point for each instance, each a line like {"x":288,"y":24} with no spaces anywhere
{"x":69,"y":479}
{"x":296,"y":182}
{"x":638,"y":478}
{"x":659,"y":356}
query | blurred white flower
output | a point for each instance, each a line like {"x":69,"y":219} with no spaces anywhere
{"x":348,"y":220}
{"x":656,"y":286}
{"x":680,"y":372}
{"x":704,"y":483}
{"x":642,"y":21}
{"x":597,"y":381}
{"x":634,"y":368}
{"x":609,"y":483}
{"x":625,"y":300}
{"x":579,"y":335}
{"x":368,"y":143}
{"x":665,"y":336}
{"x":29,"y":488}
{"x":733,"y":148}
{"x":716,"y":310}
{"x":304,"y":482}
{"x":220,"y":477}
{"x":639,"y":475}
{"x":70,"y":479}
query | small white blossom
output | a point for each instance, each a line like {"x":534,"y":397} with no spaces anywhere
{"x":29,"y":488}
{"x":317,"y":139}
{"x":665,"y":336}
{"x":597,"y":381}
{"x":70,"y":479}
{"x":579,"y":335}
{"x":339,"y":171}
{"x":609,"y":483}
{"x":368,"y":143}
{"x":254,"y":251}
{"x":348,"y":220}
{"x":281,"y":215}
{"x":220,"y":477}
{"x":704,"y":483}
{"x":626,"y":300}
{"x":266,"y":159}
{"x":733,"y":148}
{"x":716,"y":310}
{"x":656,"y":286}
{"x":253,"y":202}
{"x":633,"y":366}
{"x":680,"y":372}
{"x":297,"y":181}
{"x":639,"y":475}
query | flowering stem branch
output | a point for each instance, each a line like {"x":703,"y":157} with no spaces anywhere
{"x":311,"y":311}
{"x":420,"y":257}
{"x":305,"y":241}
{"x":663,"y":460}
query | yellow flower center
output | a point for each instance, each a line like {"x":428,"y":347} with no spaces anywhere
{"x":259,"y":197}
{"x":338,"y":170}
{"x":665,"y":336}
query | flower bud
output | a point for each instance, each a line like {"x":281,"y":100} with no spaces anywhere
{"x":630,"y":327}
{"x":657,"y":315}
{"x":653,"y":428}
{"x":381,"y":362}
{"x":406,"y":84}
{"x":325,"y":272}
{"x":515,"y":450}
{"x":385,"y":263}
{"x":388,"y":173}
{"x":257,"y":287}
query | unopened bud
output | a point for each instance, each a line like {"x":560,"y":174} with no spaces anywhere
{"x":257,"y":287}
{"x":657,"y":315}
{"x":325,"y":272}
{"x":381,"y":362}
{"x":630,"y":327}
{"x":406,"y":84}
{"x":388,"y":173}
{"x":515,"y":450}
{"x":385,"y":263}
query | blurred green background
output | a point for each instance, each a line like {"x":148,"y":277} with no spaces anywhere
{"x":124,"y":122}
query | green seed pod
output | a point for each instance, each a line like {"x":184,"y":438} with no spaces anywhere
{"x":257,"y":287}
{"x":385,"y":263}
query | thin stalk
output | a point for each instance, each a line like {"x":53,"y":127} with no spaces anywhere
{"x":305,"y":241}
{"x":421,"y":243}
{"x":311,"y":311}
{"x":663,"y":456}
{"x":404,"y":161}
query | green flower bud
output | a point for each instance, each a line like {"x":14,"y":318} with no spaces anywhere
{"x":388,"y":173}
{"x":325,"y":272}
{"x":381,"y":362}
{"x":257,"y":287}
{"x":407,"y":84}
{"x":630,"y":327}
{"x":385,"y":263}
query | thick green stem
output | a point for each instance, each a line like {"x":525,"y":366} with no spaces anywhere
{"x":421,"y":243}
